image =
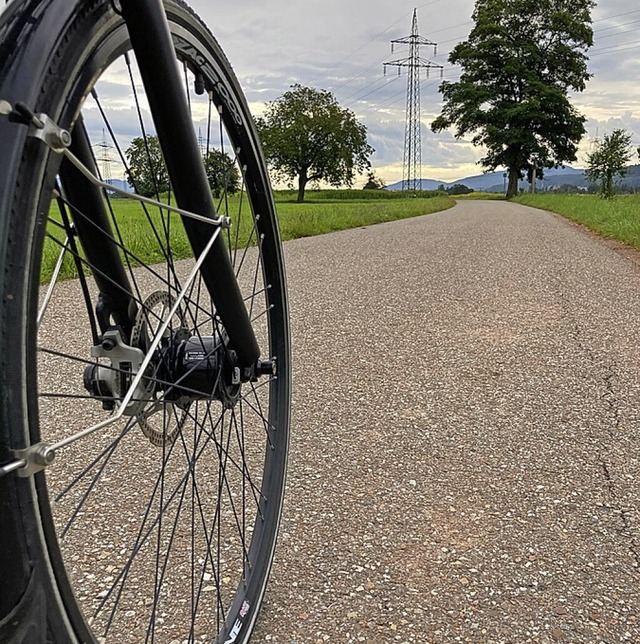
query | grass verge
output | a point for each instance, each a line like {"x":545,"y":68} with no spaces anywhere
{"x":326,"y":211}
{"x":618,"y":218}
{"x":493,"y":196}
{"x":318,"y":217}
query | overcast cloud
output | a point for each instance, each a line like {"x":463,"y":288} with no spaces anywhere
{"x":340,"y":45}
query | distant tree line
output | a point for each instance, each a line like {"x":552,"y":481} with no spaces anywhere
{"x":456,"y":189}
{"x":147,"y":172}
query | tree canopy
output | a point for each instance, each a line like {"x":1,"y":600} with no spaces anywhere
{"x":518,"y":64}
{"x":147,"y":171}
{"x":222,"y":173}
{"x":609,"y":160}
{"x":148,"y":174}
{"x":307,"y":136}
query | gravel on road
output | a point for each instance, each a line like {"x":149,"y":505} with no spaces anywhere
{"x":465,"y":444}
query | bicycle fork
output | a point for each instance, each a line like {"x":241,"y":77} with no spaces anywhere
{"x":153,"y":46}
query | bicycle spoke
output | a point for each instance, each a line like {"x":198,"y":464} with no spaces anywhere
{"x":169,"y":435}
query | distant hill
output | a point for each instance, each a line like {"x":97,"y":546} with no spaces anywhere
{"x":495,"y":181}
{"x":632,"y":180}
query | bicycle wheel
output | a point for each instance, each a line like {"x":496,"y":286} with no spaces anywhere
{"x":157,"y":523}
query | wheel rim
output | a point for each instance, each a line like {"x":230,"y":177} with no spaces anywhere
{"x":169,"y":538}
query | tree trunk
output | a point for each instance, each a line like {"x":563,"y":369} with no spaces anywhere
{"x":533,"y":179}
{"x":608,"y":185}
{"x":302,"y":184}
{"x":514,"y":176}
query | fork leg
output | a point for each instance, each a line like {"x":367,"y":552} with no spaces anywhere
{"x":91,"y":221}
{"x":154,"y":50}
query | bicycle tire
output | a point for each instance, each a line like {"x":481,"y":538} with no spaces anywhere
{"x":84,"y":561}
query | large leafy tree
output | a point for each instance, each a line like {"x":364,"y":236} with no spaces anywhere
{"x":146,"y":169}
{"x":609,"y":160}
{"x":518,"y":64}
{"x":222,"y":173}
{"x":307,"y":136}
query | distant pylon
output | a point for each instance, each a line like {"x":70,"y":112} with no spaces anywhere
{"x":103,"y":157}
{"x":412,"y":165}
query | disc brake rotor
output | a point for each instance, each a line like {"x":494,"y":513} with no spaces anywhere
{"x":160,"y":421}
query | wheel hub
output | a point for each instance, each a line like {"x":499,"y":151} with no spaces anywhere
{"x":185,"y":367}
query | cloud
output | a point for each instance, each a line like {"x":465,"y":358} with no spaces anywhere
{"x":341,"y":46}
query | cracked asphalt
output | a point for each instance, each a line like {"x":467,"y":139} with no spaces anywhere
{"x":465,"y":448}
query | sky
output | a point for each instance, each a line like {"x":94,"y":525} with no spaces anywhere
{"x":341,"y":45}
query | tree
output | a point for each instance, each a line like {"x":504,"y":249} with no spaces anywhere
{"x":609,"y":160}
{"x":459,"y":189}
{"x":373,"y":182}
{"x":307,"y":135}
{"x":222,"y":173}
{"x":518,"y":64}
{"x":147,"y":171}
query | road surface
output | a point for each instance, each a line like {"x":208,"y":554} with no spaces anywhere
{"x":466,"y":436}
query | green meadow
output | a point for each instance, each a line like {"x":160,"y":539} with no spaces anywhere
{"x":323,"y":212}
{"x":327,"y":211}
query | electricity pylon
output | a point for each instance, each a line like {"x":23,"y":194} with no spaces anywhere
{"x":412,"y":166}
{"x":103,"y":157}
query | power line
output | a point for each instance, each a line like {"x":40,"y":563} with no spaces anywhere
{"x":384,"y":31}
{"x":365,"y":90}
{"x":389,"y":102}
{"x":594,"y":51}
{"x":450,"y":40}
{"x":364,"y":71}
{"x":624,"y":24}
{"x":618,"y":15}
{"x":615,"y":48}
{"x":380,"y":82}
{"x":375,"y":86}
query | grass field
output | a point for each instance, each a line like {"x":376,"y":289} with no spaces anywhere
{"x":493,"y":196}
{"x":323,"y":212}
{"x":618,"y":218}
{"x":326,"y":213}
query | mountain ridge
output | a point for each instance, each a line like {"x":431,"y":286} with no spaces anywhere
{"x":496,"y":181}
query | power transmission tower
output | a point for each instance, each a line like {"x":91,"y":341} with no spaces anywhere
{"x":103,"y":157}
{"x":412,"y":166}
{"x":201,"y":143}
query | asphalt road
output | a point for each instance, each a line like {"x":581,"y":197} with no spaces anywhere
{"x":465,"y":449}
